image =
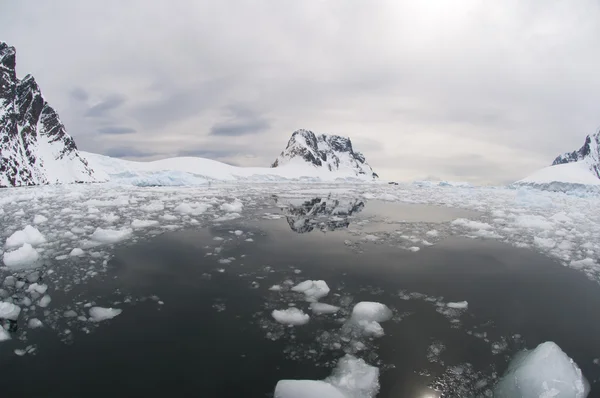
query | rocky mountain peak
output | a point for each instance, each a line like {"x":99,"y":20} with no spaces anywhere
{"x":333,"y":152}
{"x":589,"y":153}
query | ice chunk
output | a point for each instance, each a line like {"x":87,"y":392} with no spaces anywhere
{"x":98,"y":314}
{"x":138,"y":224}
{"x":39,"y":219}
{"x":371,"y":311}
{"x":34,"y":287}
{"x":463,"y":222}
{"x":291,"y":316}
{"x":544,"y":243}
{"x":234,"y":207}
{"x":544,"y":372}
{"x":322,"y":308}
{"x":306,"y":389}
{"x":533,"y":222}
{"x":275,"y":288}
{"x":4,"y":335}
{"x":76,"y":252}
{"x":28,"y":235}
{"x":110,"y":235}
{"x":191,"y":208}
{"x":45,"y":301}
{"x":313,"y":290}
{"x":35,"y":323}
{"x":154,"y":206}
{"x":23,"y":256}
{"x":9,"y":311}
{"x":458,"y":305}
{"x":352,"y":378}
{"x":238,"y":232}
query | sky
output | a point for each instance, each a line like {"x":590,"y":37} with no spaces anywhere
{"x":479,"y":91}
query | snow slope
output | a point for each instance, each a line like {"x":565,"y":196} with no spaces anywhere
{"x":564,"y":177}
{"x":198,"y":171}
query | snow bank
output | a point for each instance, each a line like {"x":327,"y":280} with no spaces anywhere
{"x":545,"y":372}
{"x":24,"y":256}
{"x":98,"y":314}
{"x":28,"y":235}
{"x":110,"y":235}
{"x":568,"y":174}
{"x":352,"y":378}
{"x":313,"y":290}
{"x":291,"y":316}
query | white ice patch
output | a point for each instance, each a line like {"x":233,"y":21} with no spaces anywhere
{"x":76,"y":252}
{"x":35,"y":287}
{"x":4,"y":335}
{"x":35,"y":323}
{"x":45,"y":301}
{"x":24,"y":256}
{"x":28,"y":235}
{"x":139,"y":224}
{"x":191,"y":208}
{"x":470,"y":224}
{"x":9,"y":311}
{"x":291,"y":316}
{"x":234,"y":207}
{"x":460,"y":305}
{"x":371,"y":311}
{"x":313,"y":290}
{"x":352,"y":378}
{"x":544,"y":372}
{"x":154,"y":207}
{"x":322,"y":308}
{"x":39,"y":219}
{"x":111,"y":235}
{"x":98,"y":314}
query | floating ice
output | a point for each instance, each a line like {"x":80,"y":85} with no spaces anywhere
{"x":45,"y":301}
{"x":35,"y":323}
{"x":322,"y":308}
{"x":545,"y":372}
{"x":234,"y":207}
{"x":291,"y":316}
{"x":371,"y":311}
{"x":191,"y":208}
{"x":238,"y":232}
{"x":138,"y":224}
{"x":275,"y":288}
{"x":39,"y":219}
{"x":313,"y":290}
{"x":76,"y":252}
{"x":154,"y":206}
{"x":9,"y":311}
{"x":4,"y":335}
{"x":35,"y":287}
{"x":23,"y":256}
{"x":98,"y":314}
{"x":110,"y":235}
{"x":28,"y":235}
{"x":352,"y":378}
{"x":463,"y":222}
{"x":458,"y":305}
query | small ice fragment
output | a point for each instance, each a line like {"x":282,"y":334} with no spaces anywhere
{"x":313,"y":290}
{"x":233,"y":207}
{"x":9,"y":311}
{"x":35,"y":287}
{"x":306,"y":389}
{"x":249,"y":240}
{"x":239,"y":233}
{"x":44,"y":301}
{"x":371,"y":311}
{"x":70,"y":314}
{"x":110,"y":235}
{"x":39,"y":219}
{"x":4,"y":335}
{"x":414,"y":249}
{"x":76,"y":252}
{"x":322,"y":308}
{"x":139,"y":224}
{"x":20,"y":352}
{"x":23,"y":256}
{"x":458,"y":305}
{"x":28,"y":235}
{"x":35,"y":323}
{"x":291,"y":316}
{"x":275,"y":288}
{"x":100,"y":314}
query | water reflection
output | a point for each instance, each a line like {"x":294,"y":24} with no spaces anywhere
{"x":325,"y":214}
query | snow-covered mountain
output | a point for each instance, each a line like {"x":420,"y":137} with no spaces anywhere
{"x":579,"y":169}
{"x":329,"y":152}
{"x":34,"y":145}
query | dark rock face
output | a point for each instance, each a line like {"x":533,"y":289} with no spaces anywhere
{"x":27,"y":123}
{"x":325,"y":214}
{"x":330,"y":151}
{"x":590,"y":152}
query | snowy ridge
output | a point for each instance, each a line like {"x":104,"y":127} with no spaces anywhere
{"x":34,"y":146}
{"x":329,"y":152}
{"x":189,"y":171}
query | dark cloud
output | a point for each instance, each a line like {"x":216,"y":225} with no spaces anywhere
{"x":116,"y":130}
{"x":128,"y":152}
{"x":109,"y":103}
{"x":79,"y":94}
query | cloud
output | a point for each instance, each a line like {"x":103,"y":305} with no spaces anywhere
{"x":79,"y":94}
{"x":102,"y":108}
{"x":116,"y":130}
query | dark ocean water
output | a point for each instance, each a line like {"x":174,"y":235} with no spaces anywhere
{"x":214,"y":335}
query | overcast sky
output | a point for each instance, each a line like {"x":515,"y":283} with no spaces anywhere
{"x":481,"y":91}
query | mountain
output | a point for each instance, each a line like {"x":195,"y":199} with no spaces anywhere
{"x":579,"y":169}
{"x":328,"y":152}
{"x":34,"y":145}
